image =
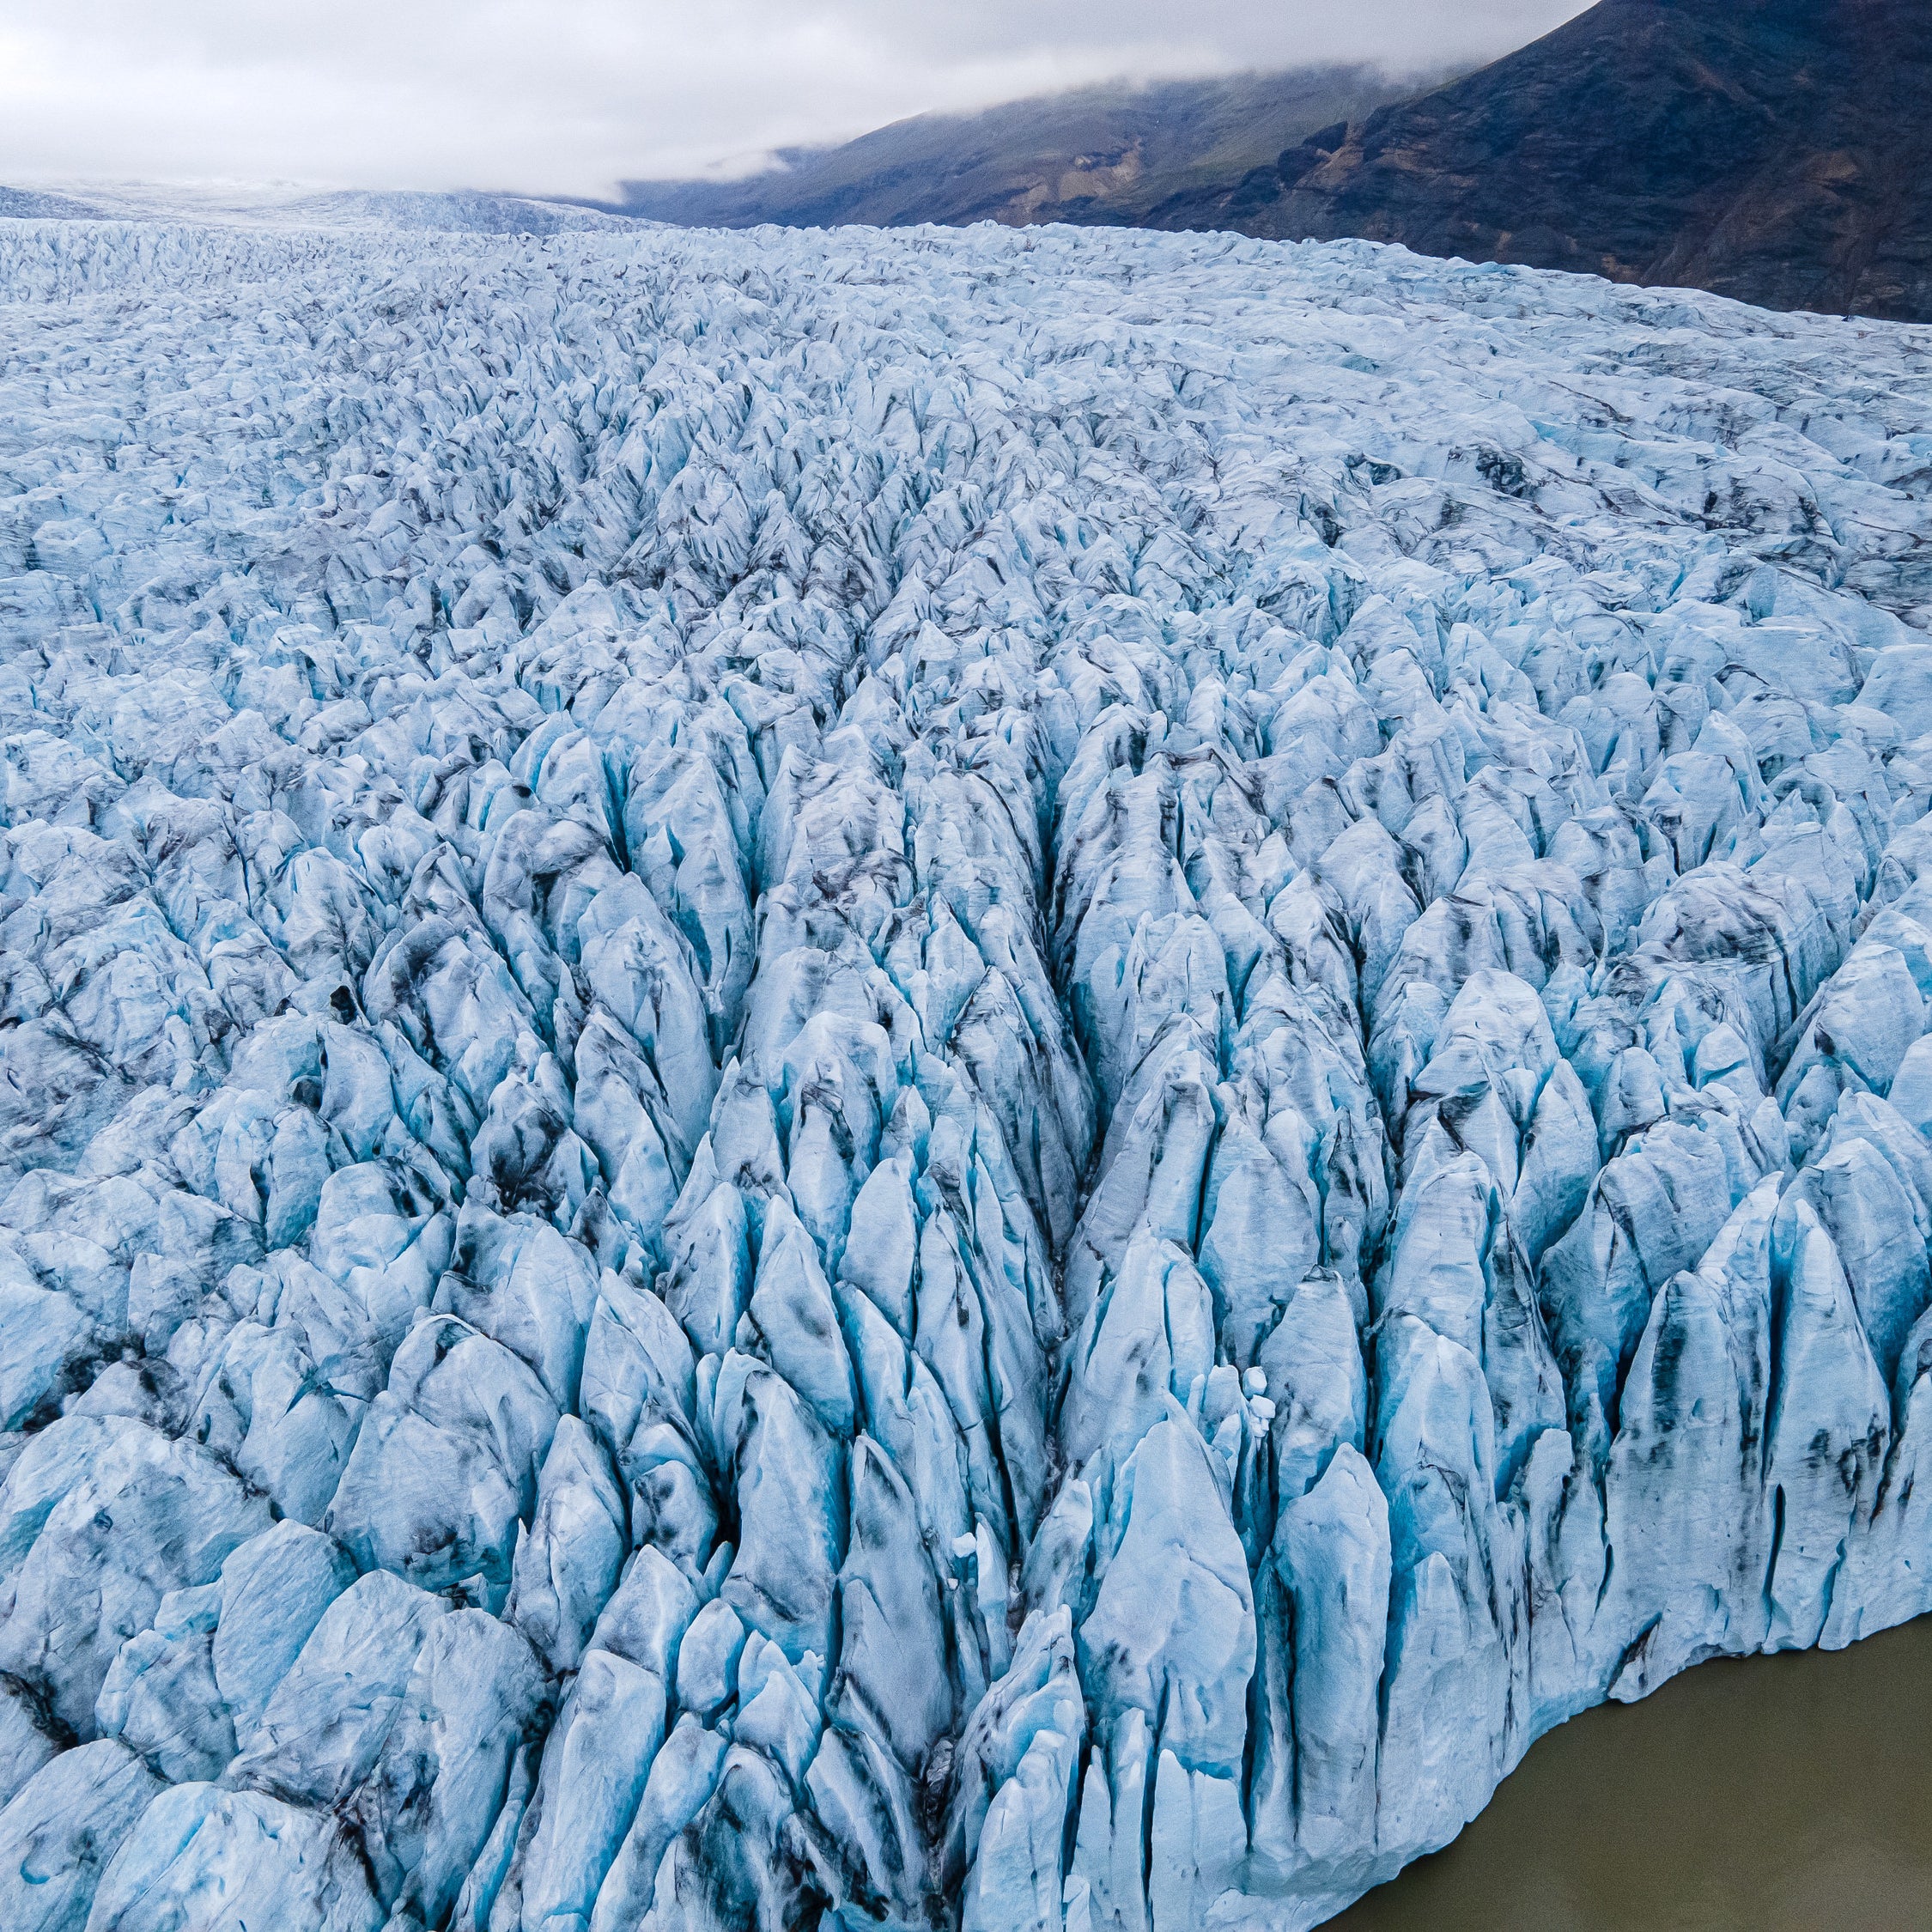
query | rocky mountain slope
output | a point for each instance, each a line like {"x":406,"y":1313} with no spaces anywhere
{"x":1112,"y":155}
{"x":1779,"y":151}
{"x":1775,"y":150}
{"x":987,"y":1080}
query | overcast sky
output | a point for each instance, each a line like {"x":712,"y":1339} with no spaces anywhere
{"x":569,"y":96}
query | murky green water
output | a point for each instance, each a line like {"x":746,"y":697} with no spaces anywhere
{"x":1788,"y":1794}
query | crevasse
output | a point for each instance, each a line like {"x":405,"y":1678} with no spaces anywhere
{"x":977,"y":1079}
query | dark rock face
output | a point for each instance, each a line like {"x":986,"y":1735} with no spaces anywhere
{"x":1775,"y":150}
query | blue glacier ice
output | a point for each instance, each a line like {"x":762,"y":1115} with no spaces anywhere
{"x":965,"y":1079}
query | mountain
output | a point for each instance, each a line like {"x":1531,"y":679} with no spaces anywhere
{"x":1779,"y":151}
{"x":1110,"y":155}
{"x":1775,"y":150}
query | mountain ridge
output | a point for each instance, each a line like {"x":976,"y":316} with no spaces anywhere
{"x":1778,"y":151}
{"x":1774,"y":150}
{"x":1101,"y":156}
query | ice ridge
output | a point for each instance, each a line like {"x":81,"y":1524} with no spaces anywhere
{"x":934,"y":1081}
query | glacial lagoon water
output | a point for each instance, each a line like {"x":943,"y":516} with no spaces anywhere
{"x":1785,"y":1794}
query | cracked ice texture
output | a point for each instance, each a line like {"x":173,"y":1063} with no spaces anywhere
{"x":979,"y":1079}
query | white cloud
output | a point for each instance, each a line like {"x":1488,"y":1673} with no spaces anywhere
{"x":569,"y":96}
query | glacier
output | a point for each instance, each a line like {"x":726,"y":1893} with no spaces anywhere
{"x":987,"y":1080}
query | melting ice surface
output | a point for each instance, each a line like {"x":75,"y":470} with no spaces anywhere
{"x":906,"y":1080}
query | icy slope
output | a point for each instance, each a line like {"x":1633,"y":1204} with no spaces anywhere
{"x":980,"y":1080}
{"x":238,"y":205}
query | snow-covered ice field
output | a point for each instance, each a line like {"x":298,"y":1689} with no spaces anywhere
{"x":923,"y":1079}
